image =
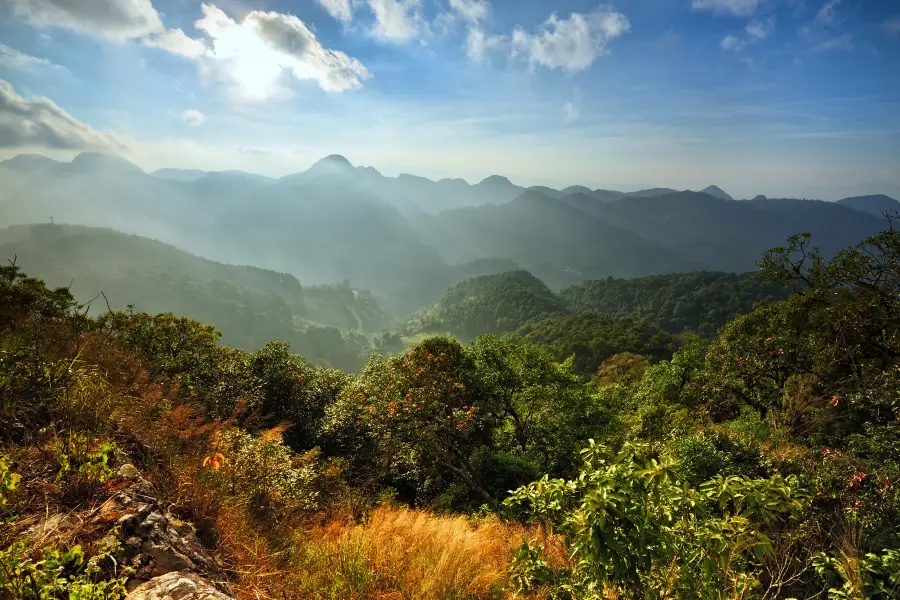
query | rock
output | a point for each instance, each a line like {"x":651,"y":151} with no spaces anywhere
{"x":177,"y":585}
{"x":153,"y":540}
{"x":128,"y":471}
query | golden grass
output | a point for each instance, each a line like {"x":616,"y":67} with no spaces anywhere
{"x":409,"y":554}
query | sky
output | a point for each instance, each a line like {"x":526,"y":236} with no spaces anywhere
{"x":756,"y":96}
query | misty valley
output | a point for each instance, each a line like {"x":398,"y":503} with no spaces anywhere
{"x":340,"y":260}
{"x":344,"y":385}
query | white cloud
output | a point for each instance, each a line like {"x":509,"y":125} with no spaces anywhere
{"x":193,"y":117}
{"x":478,"y":44}
{"x":760,"y":30}
{"x":892,"y":27}
{"x":571,"y":44}
{"x":827,"y":13}
{"x":116,"y":20}
{"x":736,"y":8}
{"x":570,"y":113}
{"x":39,"y":122}
{"x":13,"y":59}
{"x":732,"y":43}
{"x":177,"y":42}
{"x":471,"y":10}
{"x":339,"y":9}
{"x":841,"y":42}
{"x":113,"y":19}
{"x":396,"y":20}
{"x":256,"y":52}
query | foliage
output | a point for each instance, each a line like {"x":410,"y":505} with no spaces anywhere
{"x":592,"y":339}
{"x":635,"y":528}
{"x":63,"y":574}
{"x":9,"y":481}
{"x":262,"y":470}
{"x":83,"y":462}
{"x":489,"y":304}
{"x":701,"y":302}
{"x":875,"y":576}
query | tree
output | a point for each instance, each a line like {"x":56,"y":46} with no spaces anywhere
{"x":428,"y":403}
{"x":541,"y":408}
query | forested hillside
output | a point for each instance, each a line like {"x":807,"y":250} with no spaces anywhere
{"x":758,"y":464}
{"x":488,"y":304}
{"x":699,"y":301}
{"x":251,"y":306}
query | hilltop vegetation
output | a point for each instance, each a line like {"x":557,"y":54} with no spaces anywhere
{"x":700,"y":301}
{"x":758,"y":464}
{"x":488,"y":304}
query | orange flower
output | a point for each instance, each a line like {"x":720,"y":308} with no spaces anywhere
{"x":214,"y":461}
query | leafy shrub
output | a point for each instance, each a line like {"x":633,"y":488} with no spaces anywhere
{"x":83,"y":462}
{"x":263,"y":471}
{"x":57,"y":574}
{"x":637,"y":530}
{"x":9,"y":481}
{"x":874,"y":576}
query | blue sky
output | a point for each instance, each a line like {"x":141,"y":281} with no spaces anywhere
{"x":757,"y":96}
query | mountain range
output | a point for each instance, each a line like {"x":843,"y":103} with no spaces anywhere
{"x":409,"y":238}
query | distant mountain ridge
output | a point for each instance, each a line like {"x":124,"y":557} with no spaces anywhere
{"x":877,"y":205}
{"x":405,"y":238}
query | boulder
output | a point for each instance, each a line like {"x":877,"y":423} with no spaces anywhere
{"x":177,"y":585}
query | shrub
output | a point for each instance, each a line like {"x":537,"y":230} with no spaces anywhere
{"x":634,"y":528}
{"x":57,"y":574}
{"x":83,"y":463}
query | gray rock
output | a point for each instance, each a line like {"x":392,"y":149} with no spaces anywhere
{"x":177,"y":585}
{"x":128,"y":471}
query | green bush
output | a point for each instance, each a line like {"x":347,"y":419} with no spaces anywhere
{"x":57,"y":575}
{"x":635,"y":529}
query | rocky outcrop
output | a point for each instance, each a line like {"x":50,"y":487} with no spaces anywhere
{"x":178,"y":585}
{"x":163,"y":550}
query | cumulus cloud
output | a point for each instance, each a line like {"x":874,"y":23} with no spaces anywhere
{"x":39,"y":122}
{"x":760,"y":30}
{"x":732,"y":43}
{"x":735,"y":8}
{"x":571,"y":44}
{"x":113,"y":19}
{"x":13,"y":59}
{"x":257,"y":51}
{"x":193,"y":117}
{"x":177,"y":42}
{"x":478,"y":44}
{"x":339,"y":9}
{"x":471,"y":10}
{"x":116,"y":20}
{"x":396,"y":20}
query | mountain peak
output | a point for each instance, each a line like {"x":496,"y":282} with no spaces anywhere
{"x":334,"y":164}
{"x":336,"y":160}
{"x":495,"y":180}
{"x":717,"y":192}
{"x":30,"y":162}
{"x":101,"y":160}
